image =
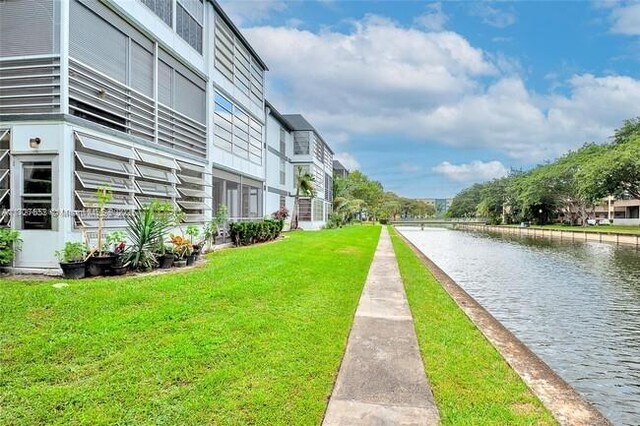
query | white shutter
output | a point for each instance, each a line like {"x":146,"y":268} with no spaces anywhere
{"x":96,"y":43}
{"x":141,"y":69}
{"x":26,"y":28}
{"x":165,"y":77}
{"x":190,"y":99}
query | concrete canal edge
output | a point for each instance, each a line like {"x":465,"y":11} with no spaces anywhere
{"x":563,"y":401}
{"x":631,"y":240}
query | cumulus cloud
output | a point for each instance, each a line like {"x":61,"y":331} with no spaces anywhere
{"x":476,"y":171}
{"x":434,"y":19}
{"x":347,"y":160}
{"x":435,"y":87}
{"x":626,"y":19}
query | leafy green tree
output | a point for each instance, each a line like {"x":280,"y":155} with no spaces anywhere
{"x":465,"y":203}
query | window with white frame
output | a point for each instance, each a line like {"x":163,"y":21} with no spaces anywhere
{"x":283,"y":144}
{"x":236,"y":131}
{"x":192,"y":189}
{"x":301,"y":142}
{"x":162,"y":8}
{"x":37,"y":195}
{"x":318,"y":210}
{"x":237,"y":64}
{"x":283,"y":172}
{"x":189,"y":19}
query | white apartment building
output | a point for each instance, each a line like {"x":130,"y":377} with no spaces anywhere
{"x":313,"y":154}
{"x":280,"y":179}
{"x":158,"y":99}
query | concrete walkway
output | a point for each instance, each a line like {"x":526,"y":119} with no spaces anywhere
{"x":382,"y":379}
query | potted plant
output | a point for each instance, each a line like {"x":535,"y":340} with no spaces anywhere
{"x":146,"y":227}
{"x":10,"y":244}
{"x":72,"y":259}
{"x":181,"y":249}
{"x":166,"y":260}
{"x":115,"y":241}
{"x":100,"y":260}
{"x":193,"y":231}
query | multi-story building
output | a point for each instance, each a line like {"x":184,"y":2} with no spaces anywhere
{"x":619,"y":211}
{"x":339,"y":170}
{"x":440,"y":205}
{"x":279,"y":171}
{"x":312,"y":154}
{"x":156,"y":99}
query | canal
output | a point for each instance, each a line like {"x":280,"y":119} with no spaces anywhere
{"x":576,"y":305}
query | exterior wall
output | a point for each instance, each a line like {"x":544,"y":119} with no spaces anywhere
{"x":274,"y":157}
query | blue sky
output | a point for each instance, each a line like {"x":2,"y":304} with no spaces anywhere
{"x":429,"y":97}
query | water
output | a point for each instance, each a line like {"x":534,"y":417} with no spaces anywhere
{"x":576,"y":305}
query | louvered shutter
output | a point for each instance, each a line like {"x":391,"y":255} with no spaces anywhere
{"x":141,"y":69}
{"x":18,"y":39}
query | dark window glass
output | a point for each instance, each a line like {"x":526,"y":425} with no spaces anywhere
{"x":36,"y":195}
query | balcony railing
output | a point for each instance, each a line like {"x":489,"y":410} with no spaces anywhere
{"x":30,"y":86}
{"x":99,"y":98}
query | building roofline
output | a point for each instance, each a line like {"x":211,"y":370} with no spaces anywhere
{"x":273,"y":111}
{"x":237,"y":32}
{"x":308,"y":127}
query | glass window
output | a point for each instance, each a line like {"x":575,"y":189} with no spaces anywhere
{"x":36,"y":194}
{"x":283,"y":147}
{"x":283,"y":172}
{"x":233,"y":199}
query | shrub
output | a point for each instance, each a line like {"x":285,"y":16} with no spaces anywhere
{"x":146,"y":228}
{"x":10,"y":244}
{"x":73,"y":252}
{"x":384,"y":221}
{"x":281,"y":214}
{"x":247,"y":233}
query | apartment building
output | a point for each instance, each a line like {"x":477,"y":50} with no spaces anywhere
{"x":158,"y":99}
{"x":312,"y":154}
{"x":339,"y":170}
{"x":280,"y":179}
{"x":619,"y":211}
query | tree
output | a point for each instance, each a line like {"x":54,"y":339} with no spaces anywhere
{"x":465,"y":203}
{"x":304,"y":186}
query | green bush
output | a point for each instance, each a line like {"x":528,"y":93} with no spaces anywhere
{"x":384,"y":221}
{"x":73,"y":252}
{"x":247,"y":233}
{"x":10,"y":244}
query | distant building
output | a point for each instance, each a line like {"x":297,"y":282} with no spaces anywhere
{"x":621,"y":212}
{"x":339,"y":170}
{"x":441,"y":205}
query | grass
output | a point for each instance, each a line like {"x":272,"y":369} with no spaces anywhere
{"x":471,"y":382}
{"x":253,"y":337}
{"x":622,"y":229}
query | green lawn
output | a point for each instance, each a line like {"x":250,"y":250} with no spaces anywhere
{"x":600,"y":228}
{"x":253,"y":337}
{"x":471,"y":382}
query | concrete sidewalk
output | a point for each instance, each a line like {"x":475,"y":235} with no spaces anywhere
{"x":382,"y":379}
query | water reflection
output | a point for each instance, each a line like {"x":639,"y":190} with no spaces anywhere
{"x":577,"y":305}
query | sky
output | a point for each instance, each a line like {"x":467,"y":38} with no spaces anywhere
{"x":431,"y":97}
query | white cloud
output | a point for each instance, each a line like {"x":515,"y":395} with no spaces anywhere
{"x":347,"y":160}
{"x":476,"y":171}
{"x":626,"y":19}
{"x":435,"y":19}
{"x":247,"y":11}
{"x":384,"y":79}
{"x":493,"y":15}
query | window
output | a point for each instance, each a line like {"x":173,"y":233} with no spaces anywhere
{"x":181,"y":89}
{"x":318,"y":210}
{"x":189,"y":22}
{"x":234,"y":61}
{"x":283,"y":202}
{"x":162,"y":8}
{"x":283,"y":172}
{"x":328,"y":188}
{"x":304,"y":210}
{"x":192,"y":191}
{"x":283,"y":146}
{"x":301,"y":143}
{"x":236,"y":131}
{"x":36,"y":194}
{"x":251,"y":201}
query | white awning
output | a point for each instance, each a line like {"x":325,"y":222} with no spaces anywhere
{"x":104,"y":164}
{"x":156,"y":159}
{"x":115,"y":183}
{"x":158,"y":189}
{"x":162,"y":175}
{"x":107,"y":147}
{"x":89,"y":200}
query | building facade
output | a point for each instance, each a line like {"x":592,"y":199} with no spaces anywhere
{"x":339,"y":170}
{"x":313,"y":155}
{"x":155,"y":99}
{"x":280,"y":178}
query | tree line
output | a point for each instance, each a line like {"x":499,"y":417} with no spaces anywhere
{"x":357,"y":197}
{"x":568,"y":188}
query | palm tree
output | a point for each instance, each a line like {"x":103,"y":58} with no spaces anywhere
{"x":304,"y":186}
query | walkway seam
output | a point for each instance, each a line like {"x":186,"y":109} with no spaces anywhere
{"x":382,"y":379}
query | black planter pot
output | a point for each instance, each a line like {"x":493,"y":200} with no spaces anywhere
{"x":191,"y":259}
{"x":73,"y":271}
{"x":166,"y":261}
{"x":119,"y":270}
{"x":99,"y":265}
{"x":180,"y":263}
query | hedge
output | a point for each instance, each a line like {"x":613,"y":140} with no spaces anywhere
{"x":247,"y":233}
